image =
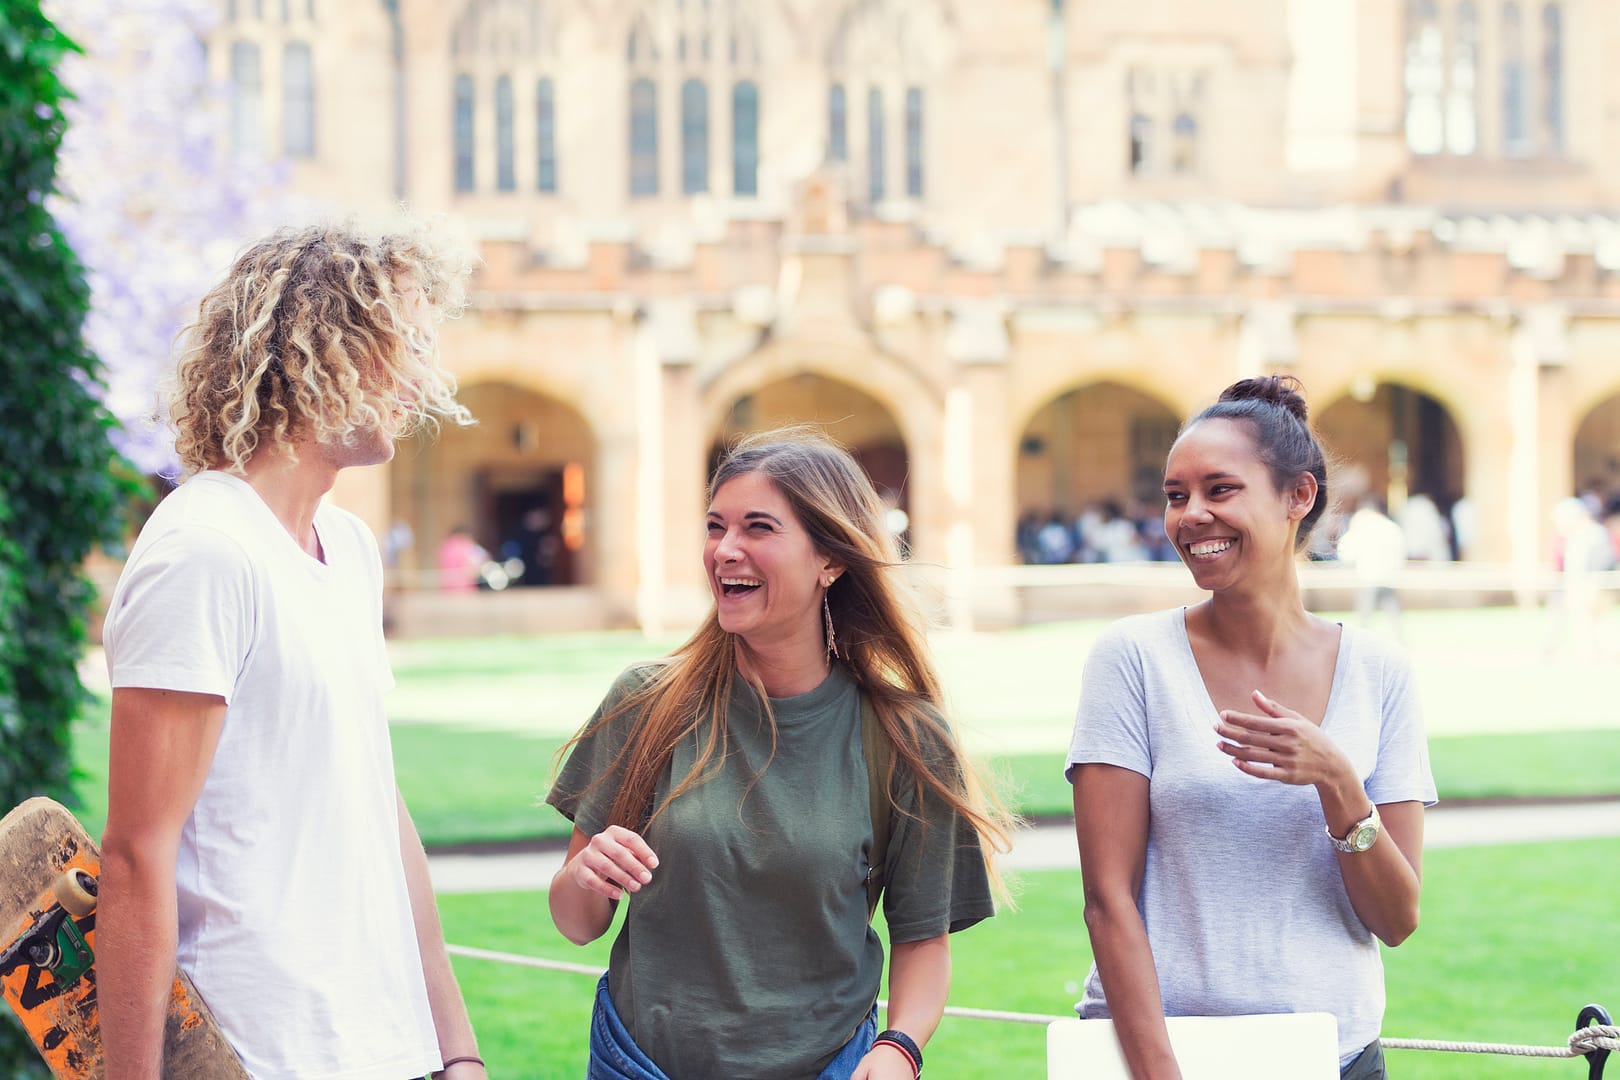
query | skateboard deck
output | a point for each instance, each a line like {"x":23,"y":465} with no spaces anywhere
{"x":49,"y":867}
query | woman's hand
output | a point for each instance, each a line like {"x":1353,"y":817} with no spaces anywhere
{"x":1282,"y":745}
{"x":884,"y":1062}
{"x":614,"y":860}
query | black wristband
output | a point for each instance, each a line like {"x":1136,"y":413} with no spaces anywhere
{"x":905,"y":1044}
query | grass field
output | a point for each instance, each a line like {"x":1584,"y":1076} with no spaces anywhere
{"x":477,"y":722}
{"x":470,"y":785}
{"x":1511,"y":946}
{"x":1514,"y":939}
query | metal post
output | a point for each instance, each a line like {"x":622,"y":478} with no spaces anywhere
{"x":1595,"y":1059}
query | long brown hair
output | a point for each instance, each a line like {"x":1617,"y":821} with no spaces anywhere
{"x":880,"y":639}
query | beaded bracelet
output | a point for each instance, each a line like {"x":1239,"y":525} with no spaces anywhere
{"x":903,"y":1043}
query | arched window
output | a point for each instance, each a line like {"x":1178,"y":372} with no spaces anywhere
{"x":1462,"y":96}
{"x":1425,"y":78}
{"x":641,"y":49}
{"x":1142,"y":93}
{"x":874,"y":145}
{"x":914,"y":142}
{"x":465,"y":172}
{"x":247,"y":132}
{"x":505,"y":155}
{"x":694,"y":137}
{"x":1552,"y":74}
{"x":1141,"y":148}
{"x":545,"y":130}
{"x":745,"y":139}
{"x":643,"y":138}
{"x":1515,"y":94}
{"x":1184,"y":144}
{"x":837,"y":123}
{"x":297,"y":101}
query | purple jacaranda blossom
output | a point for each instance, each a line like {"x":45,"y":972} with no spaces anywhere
{"x":153,"y":198}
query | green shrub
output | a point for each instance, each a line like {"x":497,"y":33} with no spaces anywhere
{"x":61,"y":486}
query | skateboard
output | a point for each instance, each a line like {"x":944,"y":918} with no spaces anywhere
{"x":48,"y":878}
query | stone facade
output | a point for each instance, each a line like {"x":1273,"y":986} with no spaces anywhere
{"x":1000,"y":249}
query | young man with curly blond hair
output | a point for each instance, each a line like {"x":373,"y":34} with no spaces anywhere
{"x":254,"y":831}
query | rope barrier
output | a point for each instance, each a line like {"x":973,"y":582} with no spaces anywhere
{"x":524,"y":961}
{"x":1585,"y":1041}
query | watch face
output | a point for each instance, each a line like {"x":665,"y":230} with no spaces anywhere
{"x":1363,"y":837}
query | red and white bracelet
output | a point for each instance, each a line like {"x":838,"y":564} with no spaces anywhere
{"x":903,"y":1043}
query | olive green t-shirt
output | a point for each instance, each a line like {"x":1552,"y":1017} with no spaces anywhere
{"x":749,"y":954}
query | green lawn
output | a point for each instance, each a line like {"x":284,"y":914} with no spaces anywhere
{"x":1512,"y":945}
{"x":1514,"y":939}
{"x":477,"y":722}
{"x":466,"y":785}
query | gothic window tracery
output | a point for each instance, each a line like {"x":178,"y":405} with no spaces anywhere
{"x":1163,"y":125}
{"x":1484,"y":76}
{"x":884,"y":55}
{"x":503,"y":52}
{"x":272,"y":77}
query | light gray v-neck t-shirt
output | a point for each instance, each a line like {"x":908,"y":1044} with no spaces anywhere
{"x":1241,"y":894}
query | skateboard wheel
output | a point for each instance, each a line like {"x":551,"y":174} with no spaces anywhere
{"x":76,"y":892}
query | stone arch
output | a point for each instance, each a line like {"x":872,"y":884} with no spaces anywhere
{"x":1159,"y":375}
{"x":871,"y":429}
{"x":1596,"y":448}
{"x":1097,"y":449}
{"x":503,"y":29}
{"x":522,"y":480}
{"x":1394,"y":441}
{"x":903,"y":394}
{"x":912,"y":36}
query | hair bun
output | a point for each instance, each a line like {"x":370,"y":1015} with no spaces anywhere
{"x":1283,"y":391}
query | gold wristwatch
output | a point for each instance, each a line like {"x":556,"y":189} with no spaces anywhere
{"x":1362,"y":835}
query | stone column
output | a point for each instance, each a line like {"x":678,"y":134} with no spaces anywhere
{"x":980,"y":466}
{"x":673,"y":447}
{"x":1514,"y":514}
{"x":682,"y":473}
{"x":990,"y":508}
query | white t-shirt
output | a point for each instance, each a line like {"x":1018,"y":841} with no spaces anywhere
{"x":295,"y":922}
{"x":1241,"y":895}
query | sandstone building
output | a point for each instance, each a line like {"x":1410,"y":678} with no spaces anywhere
{"x":1000,"y":247}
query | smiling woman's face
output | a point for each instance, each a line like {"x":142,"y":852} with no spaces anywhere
{"x":763,"y":569}
{"x":1222,"y":510}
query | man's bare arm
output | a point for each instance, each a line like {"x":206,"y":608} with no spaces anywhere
{"x":452,"y":1027}
{"x":162,"y":745}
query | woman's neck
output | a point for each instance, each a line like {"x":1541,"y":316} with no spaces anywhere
{"x":786,"y":669}
{"x":1257,"y":622}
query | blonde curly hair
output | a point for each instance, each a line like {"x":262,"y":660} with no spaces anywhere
{"x":316,"y":333}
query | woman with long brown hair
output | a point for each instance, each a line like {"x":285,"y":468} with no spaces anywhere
{"x":747,"y":794}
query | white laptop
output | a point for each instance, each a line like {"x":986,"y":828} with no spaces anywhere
{"x":1290,"y":1046}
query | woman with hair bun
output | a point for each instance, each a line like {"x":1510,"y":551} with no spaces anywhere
{"x":747,"y":795}
{"x":1249,"y":779}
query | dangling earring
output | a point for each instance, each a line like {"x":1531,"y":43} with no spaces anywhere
{"x":832,"y":638}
